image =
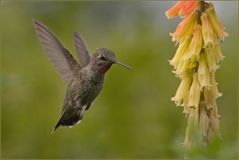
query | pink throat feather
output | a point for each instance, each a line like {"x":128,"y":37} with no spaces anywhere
{"x":104,"y":69}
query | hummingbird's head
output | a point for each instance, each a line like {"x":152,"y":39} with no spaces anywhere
{"x":103,"y":59}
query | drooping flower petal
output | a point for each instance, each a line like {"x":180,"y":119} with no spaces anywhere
{"x":196,"y":43}
{"x":216,"y":24}
{"x":189,"y":7}
{"x":194,"y":93}
{"x":214,"y":56}
{"x":207,"y":31}
{"x":182,"y":66}
{"x":203,"y":71}
{"x":183,"y":90}
{"x":211,"y":93}
{"x":174,"y":10}
{"x":218,"y":53}
{"x":214,"y":88}
{"x":180,"y":52}
{"x":209,"y":98}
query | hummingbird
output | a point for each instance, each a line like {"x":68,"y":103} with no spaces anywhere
{"x":84,"y":80}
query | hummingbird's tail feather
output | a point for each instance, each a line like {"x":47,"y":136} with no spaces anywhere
{"x":56,"y":126}
{"x":70,"y":117}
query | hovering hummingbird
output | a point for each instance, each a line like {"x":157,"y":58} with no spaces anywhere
{"x":84,"y":80}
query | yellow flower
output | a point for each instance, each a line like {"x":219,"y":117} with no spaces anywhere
{"x":218,"y":53}
{"x":194,"y":93}
{"x":182,"y":66}
{"x":211,"y":93}
{"x":196,"y":43}
{"x":207,"y":31}
{"x":183,"y":90}
{"x":214,"y":56}
{"x":203,"y":72}
{"x":180,"y":52}
{"x":210,"y":100}
{"x":186,"y":65}
{"x":216,"y":25}
{"x":214,"y":88}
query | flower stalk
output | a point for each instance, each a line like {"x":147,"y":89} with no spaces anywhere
{"x":196,"y":61}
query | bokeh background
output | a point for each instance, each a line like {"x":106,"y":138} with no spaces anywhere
{"x":133,"y":116}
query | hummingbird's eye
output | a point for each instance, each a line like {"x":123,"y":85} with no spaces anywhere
{"x":102,"y":58}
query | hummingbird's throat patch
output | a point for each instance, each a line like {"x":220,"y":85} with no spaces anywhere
{"x":104,"y":69}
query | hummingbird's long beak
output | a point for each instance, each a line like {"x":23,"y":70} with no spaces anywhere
{"x":124,"y":65}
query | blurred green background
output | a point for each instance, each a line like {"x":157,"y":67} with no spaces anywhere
{"x":133,"y":117}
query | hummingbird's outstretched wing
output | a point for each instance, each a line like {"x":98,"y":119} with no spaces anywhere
{"x":81,"y":49}
{"x":63,"y":61}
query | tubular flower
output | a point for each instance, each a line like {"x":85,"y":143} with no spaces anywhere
{"x":214,"y":88}
{"x":194,"y":92}
{"x":216,"y":24}
{"x":203,"y":72}
{"x":185,"y":28}
{"x":195,"y":63}
{"x":180,"y":52}
{"x":182,"y":8}
{"x":196,"y":43}
{"x":214,"y":56}
{"x":182,"y":91}
{"x":207,"y":31}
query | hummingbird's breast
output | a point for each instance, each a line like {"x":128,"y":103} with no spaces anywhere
{"x":90,"y":86}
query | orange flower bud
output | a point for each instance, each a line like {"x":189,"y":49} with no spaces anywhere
{"x":181,"y":8}
{"x":174,"y":10}
{"x":185,"y":28}
{"x":189,"y":7}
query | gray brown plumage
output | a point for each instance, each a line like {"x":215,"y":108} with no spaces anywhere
{"x":84,"y":80}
